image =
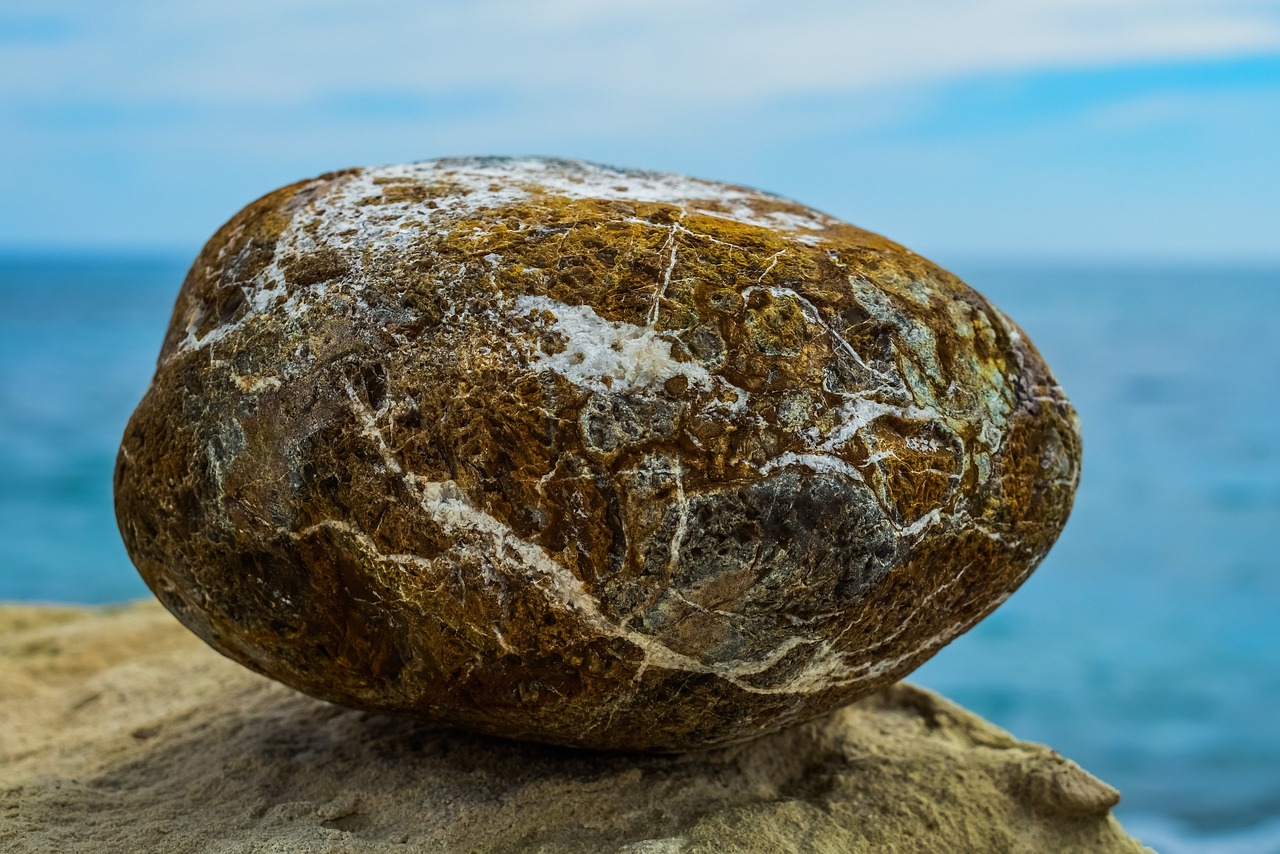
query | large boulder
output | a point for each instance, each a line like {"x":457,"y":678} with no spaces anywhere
{"x":594,"y":457}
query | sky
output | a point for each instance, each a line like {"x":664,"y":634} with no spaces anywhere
{"x":1075,"y":130}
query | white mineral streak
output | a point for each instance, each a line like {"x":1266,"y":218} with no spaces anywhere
{"x":933,"y":517}
{"x":823,"y":463}
{"x":857,"y":413}
{"x":674,"y":245}
{"x":607,"y":355}
{"x":682,"y":520}
{"x":876,"y":668}
{"x":812,"y":315}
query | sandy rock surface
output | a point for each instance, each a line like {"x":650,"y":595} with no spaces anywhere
{"x":120,"y":731}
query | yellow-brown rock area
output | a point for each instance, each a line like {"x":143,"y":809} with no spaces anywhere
{"x":589,"y":456}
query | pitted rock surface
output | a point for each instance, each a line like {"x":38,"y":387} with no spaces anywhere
{"x":589,"y":456}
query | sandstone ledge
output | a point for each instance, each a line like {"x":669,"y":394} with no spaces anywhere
{"x":121,"y":731}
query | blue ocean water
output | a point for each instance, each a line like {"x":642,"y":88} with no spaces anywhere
{"x":1147,"y":647}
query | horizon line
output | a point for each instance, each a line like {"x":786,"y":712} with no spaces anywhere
{"x":53,"y":253}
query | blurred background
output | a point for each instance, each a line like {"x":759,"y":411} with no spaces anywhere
{"x":1107,"y":171}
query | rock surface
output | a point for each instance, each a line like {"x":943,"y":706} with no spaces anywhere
{"x":586,"y":456}
{"x":119,"y":731}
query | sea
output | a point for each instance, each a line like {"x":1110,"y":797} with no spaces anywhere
{"x":1146,"y":647}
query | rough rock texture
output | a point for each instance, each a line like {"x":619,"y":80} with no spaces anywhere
{"x":119,"y":731}
{"x":593,"y":457}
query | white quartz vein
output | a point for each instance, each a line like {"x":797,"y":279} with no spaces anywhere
{"x":674,"y":243}
{"x":826,"y":463}
{"x":682,"y":519}
{"x":812,"y":314}
{"x":606,"y":355}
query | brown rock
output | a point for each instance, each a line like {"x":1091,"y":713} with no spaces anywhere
{"x":594,"y":457}
{"x":119,"y":731}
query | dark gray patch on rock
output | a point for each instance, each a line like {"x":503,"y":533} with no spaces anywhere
{"x":612,"y":421}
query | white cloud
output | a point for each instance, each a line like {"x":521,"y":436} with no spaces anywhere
{"x":1244,"y":112}
{"x":660,"y":55}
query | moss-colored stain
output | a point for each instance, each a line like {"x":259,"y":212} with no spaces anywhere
{"x":583,"y":455}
